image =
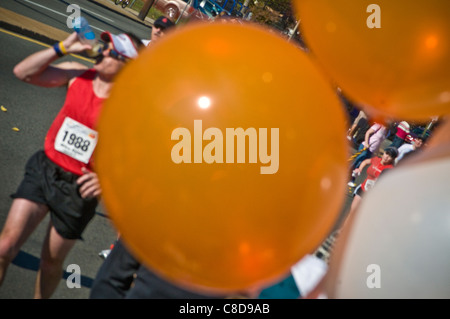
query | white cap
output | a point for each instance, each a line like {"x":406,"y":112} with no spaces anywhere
{"x":122,"y":43}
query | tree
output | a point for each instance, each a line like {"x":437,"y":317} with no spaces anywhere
{"x":145,"y":9}
{"x":274,"y":13}
{"x":282,"y":6}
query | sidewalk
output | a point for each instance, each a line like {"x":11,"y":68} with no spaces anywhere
{"x":130,"y":13}
{"x":14,"y":22}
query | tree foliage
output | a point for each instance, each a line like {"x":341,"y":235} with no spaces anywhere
{"x":275,"y":13}
{"x":281,"y":6}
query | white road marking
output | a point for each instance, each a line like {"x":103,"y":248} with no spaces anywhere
{"x":64,"y":15}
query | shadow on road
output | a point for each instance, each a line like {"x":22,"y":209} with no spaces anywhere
{"x":30,"y":262}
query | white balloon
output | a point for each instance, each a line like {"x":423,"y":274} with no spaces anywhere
{"x":398,"y":243}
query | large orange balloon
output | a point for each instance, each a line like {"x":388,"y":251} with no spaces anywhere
{"x":390,"y":56}
{"x":201,"y":203}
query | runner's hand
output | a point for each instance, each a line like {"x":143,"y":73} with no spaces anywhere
{"x":73,"y":44}
{"x":89,"y":184}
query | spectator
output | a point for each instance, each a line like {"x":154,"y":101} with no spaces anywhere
{"x":374,"y":136}
{"x":403,"y":129}
{"x":58,"y":179}
{"x":357,"y":131}
{"x":303,"y":277}
{"x":122,"y":276}
{"x":408,"y":149}
{"x":160,"y":26}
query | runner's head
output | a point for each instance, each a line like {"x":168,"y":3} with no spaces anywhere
{"x":390,"y":154}
{"x":118,"y":49}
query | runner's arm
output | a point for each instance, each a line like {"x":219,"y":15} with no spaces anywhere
{"x":362,"y":165}
{"x":37,"y":68}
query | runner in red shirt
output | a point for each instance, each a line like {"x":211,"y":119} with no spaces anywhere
{"x":60,"y":179}
{"x":375,"y":169}
{"x":377,"y":166}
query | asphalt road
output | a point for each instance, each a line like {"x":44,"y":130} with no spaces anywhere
{"x":51,"y":17}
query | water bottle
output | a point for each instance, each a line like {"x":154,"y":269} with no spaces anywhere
{"x":87,"y":36}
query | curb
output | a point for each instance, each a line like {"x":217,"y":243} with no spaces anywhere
{"x":14,"y":22}
{"x":28,"y":33}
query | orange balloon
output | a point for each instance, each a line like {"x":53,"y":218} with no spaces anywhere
{"x":392,"y":57}
{"x":223,"y":156}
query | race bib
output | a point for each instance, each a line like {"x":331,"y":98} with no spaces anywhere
{"x":369,"y":184}
{"x":76,"y":140}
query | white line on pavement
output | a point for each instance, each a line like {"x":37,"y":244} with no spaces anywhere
{"x":64,"y":15}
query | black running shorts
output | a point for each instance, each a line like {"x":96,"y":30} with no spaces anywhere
{"x":358,"y":191}
{"x":47,"y":183}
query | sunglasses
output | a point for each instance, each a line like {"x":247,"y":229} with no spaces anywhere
{"x":157,"y":26}
{"x":114,"y":54}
